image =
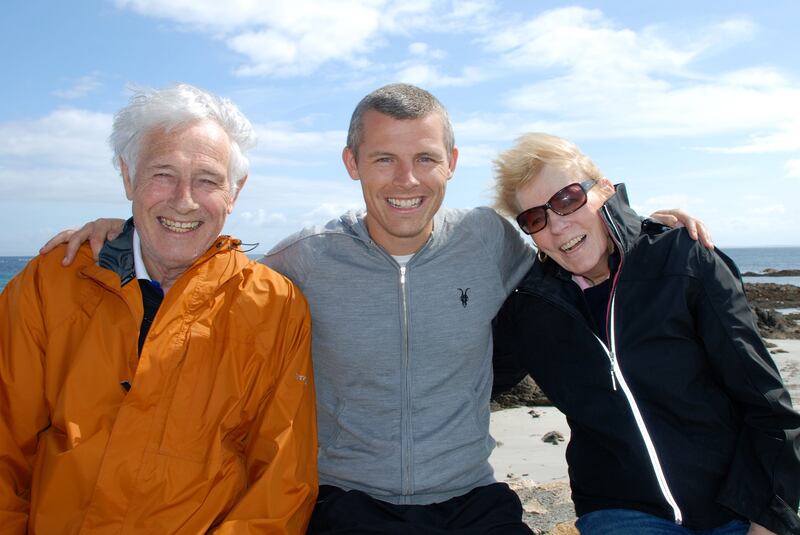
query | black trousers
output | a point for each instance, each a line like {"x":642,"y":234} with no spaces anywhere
{"x":490,"y":510}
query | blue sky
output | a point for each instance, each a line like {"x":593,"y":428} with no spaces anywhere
{"x":692,"y":104}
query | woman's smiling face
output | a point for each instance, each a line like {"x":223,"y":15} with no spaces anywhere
{"x":577,"y":241}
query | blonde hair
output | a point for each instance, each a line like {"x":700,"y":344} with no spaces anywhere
{"x":522,"y":163}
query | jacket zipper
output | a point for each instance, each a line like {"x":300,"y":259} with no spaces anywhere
{"x":617,"y":377}
{"x":406,"y":467}
{"x":407,"y":401}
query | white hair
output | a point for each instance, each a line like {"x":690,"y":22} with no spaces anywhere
{"x":175,"y":106}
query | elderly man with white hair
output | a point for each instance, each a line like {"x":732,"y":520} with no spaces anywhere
{"x":168,"y":389}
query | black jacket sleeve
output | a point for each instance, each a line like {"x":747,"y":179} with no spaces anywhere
{"x":507,"y":370}
{"x":763,"y":483}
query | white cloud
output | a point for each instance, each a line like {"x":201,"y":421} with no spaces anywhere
{"x":424,"y":50}
{"x":429,"y":76}
{"x":80,"y":88}
{"x":62,"y":156}
{"x":297,"y":37}
{"x":261,"y":218}
{"x":303,"y":40}
{"x":689,"y":203}
{"x":596,"y":79}
{"x":765,"y":210}
{"x":65,"y":136}
{"x":476,"y":155}
{"x":793,"y":168}
{"x":786,"y":140}
{"x":288,"y":37}
{"x":283,"y":137}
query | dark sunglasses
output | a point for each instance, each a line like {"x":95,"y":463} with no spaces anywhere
{"x":564,"y":202}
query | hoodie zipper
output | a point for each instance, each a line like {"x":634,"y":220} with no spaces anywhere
{"x":406,"y":419}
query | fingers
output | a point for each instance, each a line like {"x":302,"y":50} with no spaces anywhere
{"x":678,"y":218}
{"x":96,"y":233}
{"x":58,"y":239}
{"x":705,"y":236}
{"x":103,"y":230}
{"x":76,"y":239}
{"x":668,"y":219}
{"x":696,"y":228}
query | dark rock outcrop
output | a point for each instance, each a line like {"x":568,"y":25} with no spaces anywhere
{"x":773,"y":273}
{"x":526,"y":394}
{"x":771,"y":295}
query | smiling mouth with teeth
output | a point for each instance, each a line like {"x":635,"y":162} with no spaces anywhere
{"x":572,"y":243}
{"x":179,"y":226}
{"x":404,"y":203}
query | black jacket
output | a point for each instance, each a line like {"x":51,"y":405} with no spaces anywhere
{"x":685,"y":370}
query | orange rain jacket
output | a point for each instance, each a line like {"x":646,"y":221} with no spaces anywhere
{"x":217,"y":433}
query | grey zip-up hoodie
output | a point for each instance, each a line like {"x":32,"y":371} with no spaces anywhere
{"x":402,"y":356}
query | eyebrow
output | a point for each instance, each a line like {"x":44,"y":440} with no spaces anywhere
{"x":433,"y":154}
{"x":373,"y":154}
{"x":200,"y":170}
{"x":157,"y":167}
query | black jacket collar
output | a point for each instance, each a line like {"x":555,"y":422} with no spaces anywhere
{"x":117,"y":254}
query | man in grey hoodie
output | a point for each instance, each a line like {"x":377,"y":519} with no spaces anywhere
{"x":402,"y":296}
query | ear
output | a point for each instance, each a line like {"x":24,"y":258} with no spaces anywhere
{"x":350,"y":163}
{"x":453,"y":161}
{"x":127,"y":180}
{"x":239,"y":185}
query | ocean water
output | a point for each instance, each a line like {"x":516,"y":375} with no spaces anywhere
{"x":755,"y":259}
{"x":9,"y":266}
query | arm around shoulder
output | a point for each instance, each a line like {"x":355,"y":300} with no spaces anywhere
{"x":512,"y":252}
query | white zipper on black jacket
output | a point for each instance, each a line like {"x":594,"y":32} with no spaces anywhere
{"x":618,"y":377}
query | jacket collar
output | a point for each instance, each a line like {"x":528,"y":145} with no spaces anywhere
{"x":624,"y":225}
{"x":354,"y":222}
{"x":117,"y":254}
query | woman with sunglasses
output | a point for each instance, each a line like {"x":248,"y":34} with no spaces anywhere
{"x":644,"y":340}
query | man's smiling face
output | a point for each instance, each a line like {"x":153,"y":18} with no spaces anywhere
{"x":181,"y":194}
{"x":403,"y":166}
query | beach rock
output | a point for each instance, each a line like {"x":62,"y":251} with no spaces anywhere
{"x":771,"y":295}
{"x":773,"y":324}
{"x":526,"y":394}
{"x":769,"y":272}
{"x":553,"y":437}
{"x":547,"y":507}
{"x":764,"y":298}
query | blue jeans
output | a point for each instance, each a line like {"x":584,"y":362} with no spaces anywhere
{"x":630,"y":522}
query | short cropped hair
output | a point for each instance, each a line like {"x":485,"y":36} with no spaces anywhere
{"x":175,"y":106}
{"x":399,"y":101}
{"x":522,"y":163}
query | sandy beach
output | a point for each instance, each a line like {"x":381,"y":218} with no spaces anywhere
{"x":537,"y":469}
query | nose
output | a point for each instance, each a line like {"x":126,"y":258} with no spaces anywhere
{"x":183,"y":199}
{"x":404,"y":175}
{"x":557,"y":223}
